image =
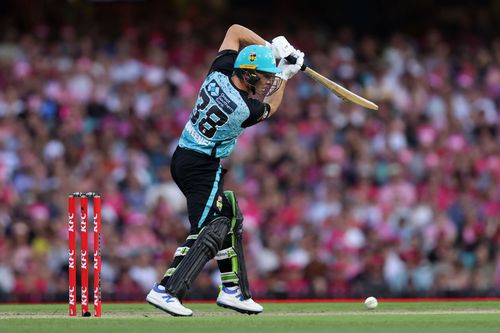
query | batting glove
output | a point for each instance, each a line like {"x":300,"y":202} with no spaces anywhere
{"x":281,"y":47}
{"x":289,"y":70}
{"x":298,"y":54}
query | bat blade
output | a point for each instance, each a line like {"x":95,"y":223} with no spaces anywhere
{"x":340,"y":91}
{"x":337,"y":89}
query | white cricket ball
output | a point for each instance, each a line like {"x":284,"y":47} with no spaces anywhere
{"x":371,"y":303}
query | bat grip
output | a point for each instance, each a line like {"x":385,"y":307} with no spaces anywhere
{"x":292,"y":60}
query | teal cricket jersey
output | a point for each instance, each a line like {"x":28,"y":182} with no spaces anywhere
{"x":222,"y":111}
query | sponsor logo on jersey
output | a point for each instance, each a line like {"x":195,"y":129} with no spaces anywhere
{"x":213,"y":89}
{"x":222,"y":100}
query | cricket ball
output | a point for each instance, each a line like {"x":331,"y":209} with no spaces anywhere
{"x":371,"y":303}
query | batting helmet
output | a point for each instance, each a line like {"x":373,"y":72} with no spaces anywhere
{"x":257,"y":57}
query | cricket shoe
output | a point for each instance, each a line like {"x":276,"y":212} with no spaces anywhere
{"x":162,"y":300}
{"x":231,"y":298}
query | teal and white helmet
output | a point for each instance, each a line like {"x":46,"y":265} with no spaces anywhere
{"x":257,"y":57}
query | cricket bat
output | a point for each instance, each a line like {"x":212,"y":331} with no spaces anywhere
{"x":337,"y":89}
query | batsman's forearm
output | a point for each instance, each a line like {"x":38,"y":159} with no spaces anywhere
{"x":246,"y":36}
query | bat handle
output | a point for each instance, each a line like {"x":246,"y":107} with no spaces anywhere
{"x":292,"y":60}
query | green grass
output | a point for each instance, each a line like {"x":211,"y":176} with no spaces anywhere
{"x":419,"y":317}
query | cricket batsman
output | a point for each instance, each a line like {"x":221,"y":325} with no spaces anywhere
{"x":244,"y":68}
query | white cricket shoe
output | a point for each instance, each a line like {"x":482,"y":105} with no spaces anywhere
{"x":231,"y":298}
{"x":162,"y":300}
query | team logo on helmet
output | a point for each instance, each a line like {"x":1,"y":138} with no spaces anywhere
{"x":252,"y":56}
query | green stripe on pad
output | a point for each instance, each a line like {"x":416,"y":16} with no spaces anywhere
{"x":229,"y":277}
{"x":181,"y":251}
{"x":230,"y":196}
{"x":169,"y":272}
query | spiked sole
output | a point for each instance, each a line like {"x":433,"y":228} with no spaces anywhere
{"x":248,"y":312}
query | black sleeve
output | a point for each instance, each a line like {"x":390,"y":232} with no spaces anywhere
{"x":224,"y":62}
{"x":258,"y":112}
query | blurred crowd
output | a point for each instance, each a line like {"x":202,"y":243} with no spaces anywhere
{"x":338,"y":200}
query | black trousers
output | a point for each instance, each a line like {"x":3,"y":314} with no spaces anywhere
{"x":201,"y":179}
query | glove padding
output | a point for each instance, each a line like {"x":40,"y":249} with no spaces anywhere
{"x":297,"y":54}
{"x":281,"y":47}
{"x":288,"y":70}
